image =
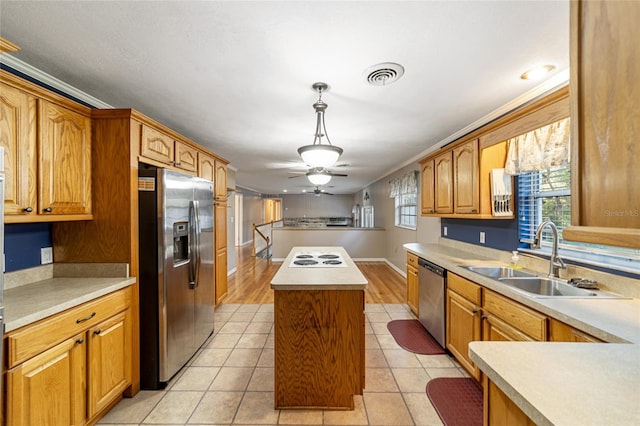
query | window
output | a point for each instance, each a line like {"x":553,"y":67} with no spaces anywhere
{"x":406,"y":210}
{"x":404,"y":191}
{"x":542,"y":196}
{"x":546,"y":195}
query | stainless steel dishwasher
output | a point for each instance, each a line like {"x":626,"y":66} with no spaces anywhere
{"x":431,"y":305}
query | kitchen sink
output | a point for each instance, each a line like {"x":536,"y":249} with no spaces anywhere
{"x":498,"y":272}
{"x":549,"y":287}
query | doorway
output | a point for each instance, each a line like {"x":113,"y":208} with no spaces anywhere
{"x":238,"y":219}
{"x":272,"y":209}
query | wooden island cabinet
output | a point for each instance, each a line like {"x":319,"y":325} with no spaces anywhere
{"x":319,"y":334}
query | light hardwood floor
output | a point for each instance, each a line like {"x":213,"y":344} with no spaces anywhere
{"x":251,"y":281}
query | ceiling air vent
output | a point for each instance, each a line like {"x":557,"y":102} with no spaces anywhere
{"x":384,"y":74}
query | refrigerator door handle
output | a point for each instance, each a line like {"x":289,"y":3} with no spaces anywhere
{"x":192,"y":245}
{"x":197,"y":233}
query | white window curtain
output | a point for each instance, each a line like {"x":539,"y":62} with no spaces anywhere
{"x":540,"y":149}
{"x":407,"y":184}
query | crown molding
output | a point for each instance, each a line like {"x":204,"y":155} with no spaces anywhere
{"x":50,"y":80}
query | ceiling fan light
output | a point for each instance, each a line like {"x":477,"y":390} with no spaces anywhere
{"x":319,"y":178}
{"x":320,"y":155}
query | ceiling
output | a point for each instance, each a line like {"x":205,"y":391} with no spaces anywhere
{"x":236,"y":76}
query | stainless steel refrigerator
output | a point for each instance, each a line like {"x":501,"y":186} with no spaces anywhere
{"x":176,"y":279}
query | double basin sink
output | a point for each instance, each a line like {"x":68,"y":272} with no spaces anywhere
{"x":535,"y":286}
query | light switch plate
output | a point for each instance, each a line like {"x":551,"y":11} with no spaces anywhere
{"x":46,"y":255}
{"x":481,"y":237}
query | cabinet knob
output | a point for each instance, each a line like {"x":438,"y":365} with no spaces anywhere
{"x":475,"y":311}
{"x":474,"y":211}
{"x":28,"y":209}
{"x":79,"y":341}
{"x":484,"y":317}
{"x":98,"y":331}
{"x":47,"y":210}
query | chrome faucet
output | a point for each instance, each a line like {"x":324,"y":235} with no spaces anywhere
{"x":555,"y":262}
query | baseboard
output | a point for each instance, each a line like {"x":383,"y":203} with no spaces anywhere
{"x":231,"y":271}
{"x":395,"y":268}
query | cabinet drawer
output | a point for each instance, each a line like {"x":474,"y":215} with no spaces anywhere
{"x":522,"y":318}
{"x":412,"y":260}
{"x":465,"y":288}
{"x":33,"y":339}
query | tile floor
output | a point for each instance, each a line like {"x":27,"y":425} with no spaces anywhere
{"x":230,"y":379}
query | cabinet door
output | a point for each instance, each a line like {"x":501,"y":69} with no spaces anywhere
{"x":220,"y":213}
{"x":463,"y":327}
{"x":605,"y":122}
{"x":516,"y":316}
{"x":18,"y":137}
{"x":500,"y":410}
{"x":427,"y":188}
{"x":157,"y":146}
{"x":465,"y":178}
{"x":443,"y":183}
{"x":206,"y":167}
{"x":64,"y":161}
{"x":412,"y":289}
{"x":186,"y":157}
{"x":221,"y":182}
{"x":49,"y":389}
{"x":109,"y":361}
{"x":561,"y":332}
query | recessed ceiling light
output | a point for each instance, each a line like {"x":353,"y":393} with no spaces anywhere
{"x":284,"y":190}
{"x":537,"y":72}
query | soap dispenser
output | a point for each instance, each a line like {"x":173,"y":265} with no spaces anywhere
{"x":514,"y":258}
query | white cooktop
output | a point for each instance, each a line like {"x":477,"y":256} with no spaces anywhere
{"x":317,"y":259}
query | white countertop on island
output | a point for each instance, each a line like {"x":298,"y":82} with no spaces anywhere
{"x":319,"y":278}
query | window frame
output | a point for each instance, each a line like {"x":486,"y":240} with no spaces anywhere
{"x":401,"y":205}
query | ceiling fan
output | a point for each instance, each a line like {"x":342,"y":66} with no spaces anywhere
{"x":318,"y":192}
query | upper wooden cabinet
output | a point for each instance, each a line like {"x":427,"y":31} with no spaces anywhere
{"x":18,"y":137}
{"x":64,"y":161}
{"x":465,"y":178}
{"x":157,"y":146}
{"x":47,"y":141}
{"x":220,"y":182}
{"x":206,"y":166}
{"x":605,"y":123}
{"x":460,"y":173}
{"x":443,"y":168}
{"x":427,"y":187}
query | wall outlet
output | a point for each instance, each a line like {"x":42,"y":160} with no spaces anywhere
{"x":46,"y":255}
{"x":481,"y":237}
{"x":444,"y":231}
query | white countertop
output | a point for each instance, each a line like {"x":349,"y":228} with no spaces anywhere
{"x":316,"y":278}
{"x":560,"y":383}
{"x":29,"y":303}
{"x":566,"y":383}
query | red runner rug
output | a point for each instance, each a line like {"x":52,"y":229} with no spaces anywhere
{"x":457,"y":400}
{"x":412,"y":336}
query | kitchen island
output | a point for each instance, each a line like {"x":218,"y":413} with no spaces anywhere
{"x":319,"y":331}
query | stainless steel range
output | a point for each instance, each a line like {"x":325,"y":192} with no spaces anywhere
{"x":317,"y":259}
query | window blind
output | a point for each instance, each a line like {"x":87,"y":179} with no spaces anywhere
{"x":543,"y":195}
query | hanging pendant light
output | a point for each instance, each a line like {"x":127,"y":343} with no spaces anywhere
{"x":319,"y":176}
{"x":319,"y":155}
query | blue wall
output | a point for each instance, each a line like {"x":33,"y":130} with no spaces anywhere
{"x":499,"y":234}
{"x":22,"y":244}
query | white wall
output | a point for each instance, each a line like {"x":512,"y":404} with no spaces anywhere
{"x":428,"y":229}
{"x":359,"y":243}
{"x":309,"y":205}
{"x":252,"y":212}
{"x":231,"y":217}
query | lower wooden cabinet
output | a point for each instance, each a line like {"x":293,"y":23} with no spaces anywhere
{"x":49,"y":389}
{"x":71,"y":381}
{"x":500,"y":410}
{"x":561,"y":332}
{"x":464,"y":323}
{"x":109,"y":361}
{"x":412,"y":289}
{"x":505,"y":319}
